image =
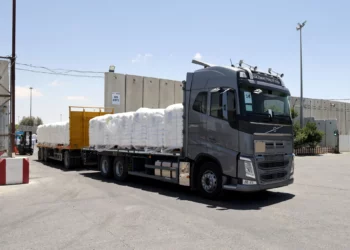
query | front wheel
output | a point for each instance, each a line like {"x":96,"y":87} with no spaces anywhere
{"x":210,"y":180}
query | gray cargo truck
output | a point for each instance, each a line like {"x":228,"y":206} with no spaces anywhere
{"x":237,"y":136}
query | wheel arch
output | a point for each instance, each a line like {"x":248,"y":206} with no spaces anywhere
{"x":198,"y":162}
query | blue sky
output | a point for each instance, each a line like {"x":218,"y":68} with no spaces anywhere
{"x":160,"y":38}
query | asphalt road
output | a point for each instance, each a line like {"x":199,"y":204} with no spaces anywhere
{"x":79,"y":210}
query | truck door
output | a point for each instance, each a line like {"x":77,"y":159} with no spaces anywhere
{"x":197,"y":123}
{"x":221,"y":135}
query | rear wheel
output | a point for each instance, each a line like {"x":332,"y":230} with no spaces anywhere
{"x":45,"y":154}
{"x":40,"y":158}
{"x":105,"y":166}
{"x":210,"y":180}
{"x":67,"y":160}
{"x":120,"y":171}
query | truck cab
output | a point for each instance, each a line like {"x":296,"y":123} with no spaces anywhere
{"x":238,"y":126}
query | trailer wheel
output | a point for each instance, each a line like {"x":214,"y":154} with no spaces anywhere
{"x":210,"y":180}
{"x":45,"y":154}
{"x":40,"y":157}
{"x":67,"y":162}
{"x":105,"y":166}
{"x":120,"y":171}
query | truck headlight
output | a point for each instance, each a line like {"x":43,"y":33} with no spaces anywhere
{"x":249,"y":169}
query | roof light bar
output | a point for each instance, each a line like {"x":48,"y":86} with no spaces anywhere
{"x":277,"y":74}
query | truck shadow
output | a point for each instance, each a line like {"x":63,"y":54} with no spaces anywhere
{"x":227,"y":201}
{"x":59,"y":165}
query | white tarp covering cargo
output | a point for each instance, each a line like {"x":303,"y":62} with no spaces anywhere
{"x":173,"y":123}
{"x":124,"y":129}
{"x":155,"y":128}
{"x":99,"y":131}
{"x":146,"y":128}
{"x":139,"y":127}
{"x":111,"y":130}
{"x":53,"y":133}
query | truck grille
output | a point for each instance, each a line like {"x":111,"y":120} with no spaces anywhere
{"x":272,"y":165}
{"x":279,"y":157}
{"x":273,"y":176}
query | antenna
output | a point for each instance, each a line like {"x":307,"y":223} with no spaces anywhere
{"x":231,"y":63}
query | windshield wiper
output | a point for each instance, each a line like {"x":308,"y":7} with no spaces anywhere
{"x":261,"y":114}
{"x":283,"y":116}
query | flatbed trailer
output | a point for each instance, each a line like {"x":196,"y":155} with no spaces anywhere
{"x":170,"y":167}
{"x":70,"y":154}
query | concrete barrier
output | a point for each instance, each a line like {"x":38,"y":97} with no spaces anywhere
{"x":14,"y":171}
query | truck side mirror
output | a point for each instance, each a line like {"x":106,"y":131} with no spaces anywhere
{"x":229,"y":105}
{"x":224,"y":105}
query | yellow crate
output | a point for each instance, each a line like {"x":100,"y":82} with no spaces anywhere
{"x":79,"y":118}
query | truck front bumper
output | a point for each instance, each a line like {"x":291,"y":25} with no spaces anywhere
{"x":258,"y":187}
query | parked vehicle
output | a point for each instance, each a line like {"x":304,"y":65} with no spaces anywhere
{"x":237,"y":135}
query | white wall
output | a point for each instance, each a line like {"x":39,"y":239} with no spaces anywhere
{"x":344,"y":143}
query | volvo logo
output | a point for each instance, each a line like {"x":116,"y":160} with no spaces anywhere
{"x":274,"y":130}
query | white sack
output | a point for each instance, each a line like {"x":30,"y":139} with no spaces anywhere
{"x":155,"y":128}
{"x":139,"y":128}
{"x":173,"y":124}
{"x":99,"y":130}
{"x":125,"y":129}
{"x":54,"y":133}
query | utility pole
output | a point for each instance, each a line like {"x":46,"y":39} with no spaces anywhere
{"x":61,"y":117}
{"x":13,"y":80}
{"x":299,"y":28}
{"x":30,"y":102}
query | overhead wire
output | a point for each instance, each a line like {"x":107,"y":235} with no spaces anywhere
{"x":58,"y":73}
{"x":60,"y":69}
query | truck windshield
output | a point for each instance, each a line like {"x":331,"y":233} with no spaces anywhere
{"x":264,"y":105}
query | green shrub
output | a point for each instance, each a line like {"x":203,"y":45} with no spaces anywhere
{"x":293,"y":113}
{"x":307,"y":136}
{"x":313,"y":135}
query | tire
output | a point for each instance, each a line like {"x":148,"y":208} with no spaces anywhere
{"x":45,"y":154}
{"x":120,"y":171}
{"x":39,"y":155}
{"x":210,"y":180}
{"x":106,"y":166}
{"x":67,"y":162}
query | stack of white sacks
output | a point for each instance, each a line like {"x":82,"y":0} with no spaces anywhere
{"x":54,"y":133}
{"x":173,"y":124}
{"x":145,"y":128}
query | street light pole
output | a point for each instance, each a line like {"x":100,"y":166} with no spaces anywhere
{"x":299,"y":28}
{"x":30,"y":102}
{"x":13,"y":81}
